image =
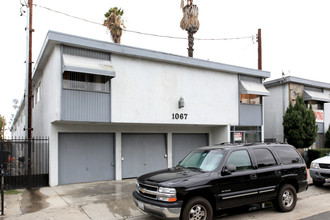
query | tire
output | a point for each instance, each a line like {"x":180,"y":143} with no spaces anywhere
{"x":286,"y":199}
{"x":318,"y":183}
{"x":197,"y":208}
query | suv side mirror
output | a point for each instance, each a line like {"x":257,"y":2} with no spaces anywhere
{"x":228,"y":169}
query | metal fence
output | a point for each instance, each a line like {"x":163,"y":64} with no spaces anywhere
{"x":14,"y":158}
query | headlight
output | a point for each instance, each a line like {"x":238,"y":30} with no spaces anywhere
{"x":315,"y":165}
{"x":167,"y":194}
{"x":167,"y":190}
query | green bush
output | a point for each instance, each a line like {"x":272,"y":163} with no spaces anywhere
{"x":300,"y":128}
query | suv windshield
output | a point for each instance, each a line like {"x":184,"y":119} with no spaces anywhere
{"x":203,"y":160}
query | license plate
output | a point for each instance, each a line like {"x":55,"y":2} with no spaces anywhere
{"x":140,"y":205}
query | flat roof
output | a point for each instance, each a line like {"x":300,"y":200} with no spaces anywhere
{"x":293,"y":79}
{"x":55,"y":38}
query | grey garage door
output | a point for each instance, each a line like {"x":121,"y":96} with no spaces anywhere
{"x":143,"y":153}
{"x":86,"y":157}
{"x":184,"y":143}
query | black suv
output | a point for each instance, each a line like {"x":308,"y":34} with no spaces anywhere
{"x":224,"y":176}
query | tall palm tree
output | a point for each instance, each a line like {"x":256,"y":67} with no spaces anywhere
{"x":115,"y":23}
{"x":190,"y":23}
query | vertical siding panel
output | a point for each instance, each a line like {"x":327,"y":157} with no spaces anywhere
{"x":250,"y":115}
{"x":86,"y":53}
{"x":85,"y":106}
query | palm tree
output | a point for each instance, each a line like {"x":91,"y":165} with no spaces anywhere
{"x":115,"y":23}
{"x":190,"y":23}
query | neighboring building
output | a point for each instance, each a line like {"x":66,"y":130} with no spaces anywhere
{"x":113,"y":111}
{"x":285,"y":90}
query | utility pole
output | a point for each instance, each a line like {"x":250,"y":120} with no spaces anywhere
{"x":28,"y":86}
{"x":3,"y":128}
{"x":259,"y":50}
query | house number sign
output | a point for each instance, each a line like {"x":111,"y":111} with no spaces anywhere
{"x":179,"y":116}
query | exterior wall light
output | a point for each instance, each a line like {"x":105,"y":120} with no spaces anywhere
{"x":181,"y":103}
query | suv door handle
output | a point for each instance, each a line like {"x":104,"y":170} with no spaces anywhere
{"x":278,"y":173}
{"x":253,"y":176}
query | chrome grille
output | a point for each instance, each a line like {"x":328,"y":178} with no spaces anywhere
{"x":324,"y":166}
{"x":148,"y":187}
{"x":325,"y":175}
{"x":148,"y":191}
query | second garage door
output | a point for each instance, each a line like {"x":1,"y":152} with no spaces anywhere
{"x":184,"y":143}
{"x":143,"y":153}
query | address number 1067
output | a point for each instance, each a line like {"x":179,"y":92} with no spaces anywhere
{"x":179,"y":116}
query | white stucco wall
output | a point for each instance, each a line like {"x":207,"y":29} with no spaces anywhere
{"x":148,"y":92}
{"x":326,"y":112}
{"x":275,"y":106}
{"x":326,"y":115}
{"x":47,"y":109}
{"x":220,"y":134}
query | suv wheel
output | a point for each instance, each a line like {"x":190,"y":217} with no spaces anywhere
{"x":286,"y":198}
{"x":197,"y":208}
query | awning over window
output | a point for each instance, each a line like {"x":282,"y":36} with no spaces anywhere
{"x":316,"y":96}
{"x":87,"y":65}
{"x":249,"y":87}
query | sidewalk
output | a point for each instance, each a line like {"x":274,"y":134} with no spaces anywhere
{"x":100,"y":200}
{"x":108,"y":200}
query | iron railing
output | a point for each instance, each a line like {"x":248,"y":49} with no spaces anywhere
{"x":14,"y":158}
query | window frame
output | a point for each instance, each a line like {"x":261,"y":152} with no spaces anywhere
{"x":277,"y":150}
{"x":256,"y":158}
{"x":88,"y":83}
{"x":251,"y":167}
{"x":250,"y":98}
{"x":316,"y":105}
{"x":37,"y":95}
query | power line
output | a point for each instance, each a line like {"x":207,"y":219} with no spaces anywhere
{"x":59,"y":12}
{"x":148,"y":34}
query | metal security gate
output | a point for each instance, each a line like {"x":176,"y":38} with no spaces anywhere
{"x":14,"y":161}
{"x":184,"y":143}
{"x":86,"y":157}
{"x":143,"y":153}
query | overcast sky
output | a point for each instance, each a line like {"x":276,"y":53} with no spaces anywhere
{"x":295,"y":35}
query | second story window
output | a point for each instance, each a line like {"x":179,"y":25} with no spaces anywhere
{"x":250,"y":99}
{"x":316,"y":105}
{"x":86,"y":82}
{"x":37,"y":96}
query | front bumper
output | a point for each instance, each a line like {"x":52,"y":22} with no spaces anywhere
{"x":320,"y":174}
{"x":156,"y":208}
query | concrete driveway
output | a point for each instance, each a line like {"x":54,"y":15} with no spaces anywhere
{"x":98,"y":200}
{"x":105,"y":200}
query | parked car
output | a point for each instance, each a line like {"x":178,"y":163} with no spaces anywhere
{"x":320,"y":170}
{"x":224,"y":176}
